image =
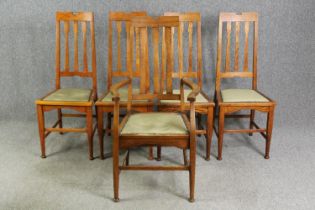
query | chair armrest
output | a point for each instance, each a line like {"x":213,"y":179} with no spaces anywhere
{"x":195,"y":89}
{"x":191,"y":98}
{"x":114,"y":88}
{"x":114,"y":91}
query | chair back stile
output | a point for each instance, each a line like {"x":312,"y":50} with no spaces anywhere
{"x":74,"y":20}
{"x":237,"y":20}
{"x":190,"y":19}
{"x":120,"y":20}
{"x":160,"y":29}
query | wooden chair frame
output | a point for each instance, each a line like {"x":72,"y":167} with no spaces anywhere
{"x":202,"y":108}
{"x":86,"y":108}
{"x":227,"y":108}
{"x":128,"y":141}
{"x":108,"y":107}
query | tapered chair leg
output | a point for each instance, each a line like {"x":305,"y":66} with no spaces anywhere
{"x":269,"y":131}
{"x":209,"y":132}
{"x":251,"y":121}
{"x":192,"y":171}
{"x":116,"y":169}
{"x":221,"y":132}
{"x":41,"y":129}
{"x":100,"y":130}
{"x":60,"y":119}
{"x":192,"y":185}
{"x":89,"y":128}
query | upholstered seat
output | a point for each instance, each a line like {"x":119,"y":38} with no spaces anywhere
{"x":123,"y":94}
{"x":242,"y":95}
{"x":69,"y":94}
{"x":199,"y":99}
{"x":157,"y":123}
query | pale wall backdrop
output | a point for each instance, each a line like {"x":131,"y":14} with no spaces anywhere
{"x":286,"y":49}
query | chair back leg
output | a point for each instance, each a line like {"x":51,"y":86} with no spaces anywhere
{"x":89,"y":130}
{"x":209,"y":130}
{"x":100,"y":131}
{"x":251,"y":121}
{"x":59,"y":113}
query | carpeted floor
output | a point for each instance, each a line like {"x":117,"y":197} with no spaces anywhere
{"x":66,"y":179}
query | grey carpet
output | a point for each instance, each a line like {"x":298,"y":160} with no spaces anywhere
{"x":66,"y":179}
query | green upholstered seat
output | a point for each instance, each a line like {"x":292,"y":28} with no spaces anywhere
{"x":157,"y":123}
{"x":242,"y":95}
{"x":69,"y":94}
{"x":123,"y":94}
{"x":199,"y":99}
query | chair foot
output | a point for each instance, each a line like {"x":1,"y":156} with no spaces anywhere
{"x":91,"y":158}
{"x":207,"y":158}
{"x":116,"y":200}
{"x":43,"y":156}
{"x":191,"y":200}
{"x":61,"y":133}
{"x":267,"y":157}
{"x":102,"y":157}
{"x":158,"y":159}
{"x":219,"y":158}
{"x":250,"y":134}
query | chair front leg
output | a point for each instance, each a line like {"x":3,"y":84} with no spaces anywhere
{"x":115,"y":133}
{"x":100,"y":130}
{"x":116,"y":169}
{"x":192,"y":172}
{"x":41,"y":129}
{"x":269,"y":131}
{"x":192,"y":158}
{"x":221,"y":132}
{"x":89,"y":130}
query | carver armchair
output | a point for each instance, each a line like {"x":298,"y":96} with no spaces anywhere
{"x":138,"y":129}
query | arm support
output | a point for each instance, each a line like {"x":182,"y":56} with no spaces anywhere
{"x":195,"y":89}
{"x":114,"y":88}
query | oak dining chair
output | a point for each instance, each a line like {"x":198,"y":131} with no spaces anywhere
{"x":138,"y":129}
{"x":233,"y":100}
{"x":77,"y":99}
{"x":119,"y":31}
{"x":190,"y":27}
